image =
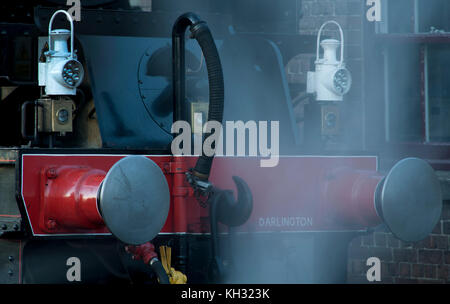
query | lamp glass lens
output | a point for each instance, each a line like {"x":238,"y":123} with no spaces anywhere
{"x":341,"y":81}
{"x":72,"y":73}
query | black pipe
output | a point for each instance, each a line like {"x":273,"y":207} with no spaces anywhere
{"x":215,"y":269}
{"x":213,"y":224}
{"x":158,"y":268}
{"x":225,"y":209}
{"x":233,"y":212}
{"x":202,"y":34}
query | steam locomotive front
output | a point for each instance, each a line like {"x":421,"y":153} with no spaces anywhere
{"x":92,"y":175}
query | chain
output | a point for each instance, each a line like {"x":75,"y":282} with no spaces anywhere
{"x":203,"y":190}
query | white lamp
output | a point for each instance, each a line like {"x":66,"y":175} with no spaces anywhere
{"x":331,"y":80}
{"x":62,"y":73}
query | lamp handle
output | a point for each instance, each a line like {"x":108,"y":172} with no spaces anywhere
{"x":342,"y":39}
{"x":69,"y":17}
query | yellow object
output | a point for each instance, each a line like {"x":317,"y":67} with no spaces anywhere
{"x":175,"y":277}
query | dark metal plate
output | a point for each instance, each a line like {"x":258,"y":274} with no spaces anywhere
{"x":134,"y":200}
{"x":10,"y":253}
{"x":411,"y":199}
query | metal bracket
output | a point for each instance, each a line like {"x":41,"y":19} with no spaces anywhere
{"x":202,"y":189}
{"x":10,"y":224}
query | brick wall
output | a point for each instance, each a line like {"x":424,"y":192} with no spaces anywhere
{"x":349,"y":14}
{"x":427,"y":261}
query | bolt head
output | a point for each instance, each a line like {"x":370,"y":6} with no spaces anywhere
{"x":51,"y":224}
{"x":51,"y":173}
{"x":63,"y":116}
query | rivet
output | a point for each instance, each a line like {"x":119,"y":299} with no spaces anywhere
{"x":51,"y":224}
{"x":51,"y":173}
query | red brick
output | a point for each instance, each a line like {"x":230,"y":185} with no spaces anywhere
{"x":430,"y":271}
{"x":430,"y":256}
{"x":405,"y":255}
{"x":447,"y":257}
{"x":446,"y":212}
{"x":404,"y":269}
{"x":425,"y":243}
{"x":389,"y":269}
{"x":446,"y":227}
{"x":439,"y":242}
{"x":443,"y":272}
{"x":380,"y":239}
{"x":417,"y":270}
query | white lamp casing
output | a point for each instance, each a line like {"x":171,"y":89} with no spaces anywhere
{"x":331,"y":80}
{"x":61,"y":73}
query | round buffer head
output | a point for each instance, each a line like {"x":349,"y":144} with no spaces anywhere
{"x":411,"y":200}
{"x":134,"y":200}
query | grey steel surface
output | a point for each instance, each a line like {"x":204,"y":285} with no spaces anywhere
{"x":134,"y":200}
{"x":411,"y":199}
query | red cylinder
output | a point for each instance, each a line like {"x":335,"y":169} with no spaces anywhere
{"x":349,"y":197}
{"x":70,"y":198}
